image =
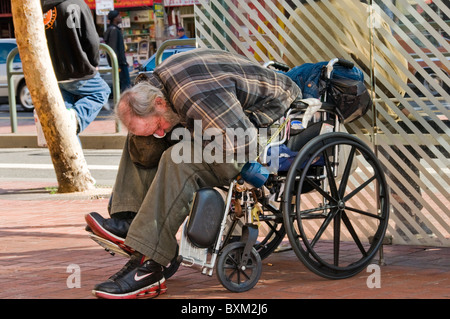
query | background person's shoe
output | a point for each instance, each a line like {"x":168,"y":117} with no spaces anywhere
{"x":74,"y":121}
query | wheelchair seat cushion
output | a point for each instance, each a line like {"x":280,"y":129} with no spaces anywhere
{"x":284,"y":155}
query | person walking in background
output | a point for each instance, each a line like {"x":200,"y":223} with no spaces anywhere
{"x":73,"y":44}
{"x":114,"y":38}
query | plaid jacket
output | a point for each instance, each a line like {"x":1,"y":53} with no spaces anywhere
{"x":224,"y":90}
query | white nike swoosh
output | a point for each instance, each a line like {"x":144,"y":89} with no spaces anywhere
{"x":138,"y":278}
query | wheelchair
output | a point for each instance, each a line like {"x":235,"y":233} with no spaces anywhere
{"x":331,"y":202}
{"x":318,"y":202}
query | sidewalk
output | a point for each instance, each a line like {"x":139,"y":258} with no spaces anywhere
{"x":44,"y":245}
{"x":43,"y":236}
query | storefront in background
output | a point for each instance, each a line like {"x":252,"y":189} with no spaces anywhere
{"x":6,"y":22}
{"x":180,"y":13}
{"x":138,"y":25}
{"x":147,"y":23}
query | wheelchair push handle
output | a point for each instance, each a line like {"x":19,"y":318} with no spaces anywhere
{"x":277,"y":65}
{"x":345,"y":63}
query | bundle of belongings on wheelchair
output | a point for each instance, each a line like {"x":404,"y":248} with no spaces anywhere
{"x":344,"y":87}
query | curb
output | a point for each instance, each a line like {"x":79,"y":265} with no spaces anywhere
{"x":89,"y":141}
{"x":45,"y":194}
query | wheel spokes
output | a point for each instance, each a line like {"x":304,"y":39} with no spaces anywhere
{"x":347,"y":171}
{"x":359,"y":188}
{"x":353,"y":233}
{"x":317,"y":187}
{"x":322,"y":229}
{"x":233,"y":264}
{"x":326,"y":204}
{"x":359,"y":211}
{"x":337,"y":237}
{"x":330,"y":175}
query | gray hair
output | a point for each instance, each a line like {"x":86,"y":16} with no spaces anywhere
{"x":141,"y":98}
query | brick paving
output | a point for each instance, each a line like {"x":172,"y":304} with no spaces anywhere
{"x":44,"y":236}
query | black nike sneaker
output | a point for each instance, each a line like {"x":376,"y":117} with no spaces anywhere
{"x":112,"y":229}
{"x":143,"y":281}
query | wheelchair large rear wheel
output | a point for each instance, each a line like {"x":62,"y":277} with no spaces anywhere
{"x":336,"y":223}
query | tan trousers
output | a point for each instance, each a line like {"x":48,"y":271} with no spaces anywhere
{"x":161,"y":197}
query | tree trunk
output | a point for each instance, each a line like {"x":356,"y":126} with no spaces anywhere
{"x":65,"y":150}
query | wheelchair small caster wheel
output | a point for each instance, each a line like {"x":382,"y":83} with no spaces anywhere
{"x":236,"y":273}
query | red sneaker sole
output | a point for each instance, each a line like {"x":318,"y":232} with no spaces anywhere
{"x":151,"y":291}
{"x":98,"y":230}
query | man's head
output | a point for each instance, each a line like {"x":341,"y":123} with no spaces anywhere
{"x":144,"y":111}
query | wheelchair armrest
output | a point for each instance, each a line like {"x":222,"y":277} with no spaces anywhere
{"x":299,"y":106}
{"x":328,"y":107}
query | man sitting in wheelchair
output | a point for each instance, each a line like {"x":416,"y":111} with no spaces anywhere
{"x":222,"y":90}
{"x":154,"y":188}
